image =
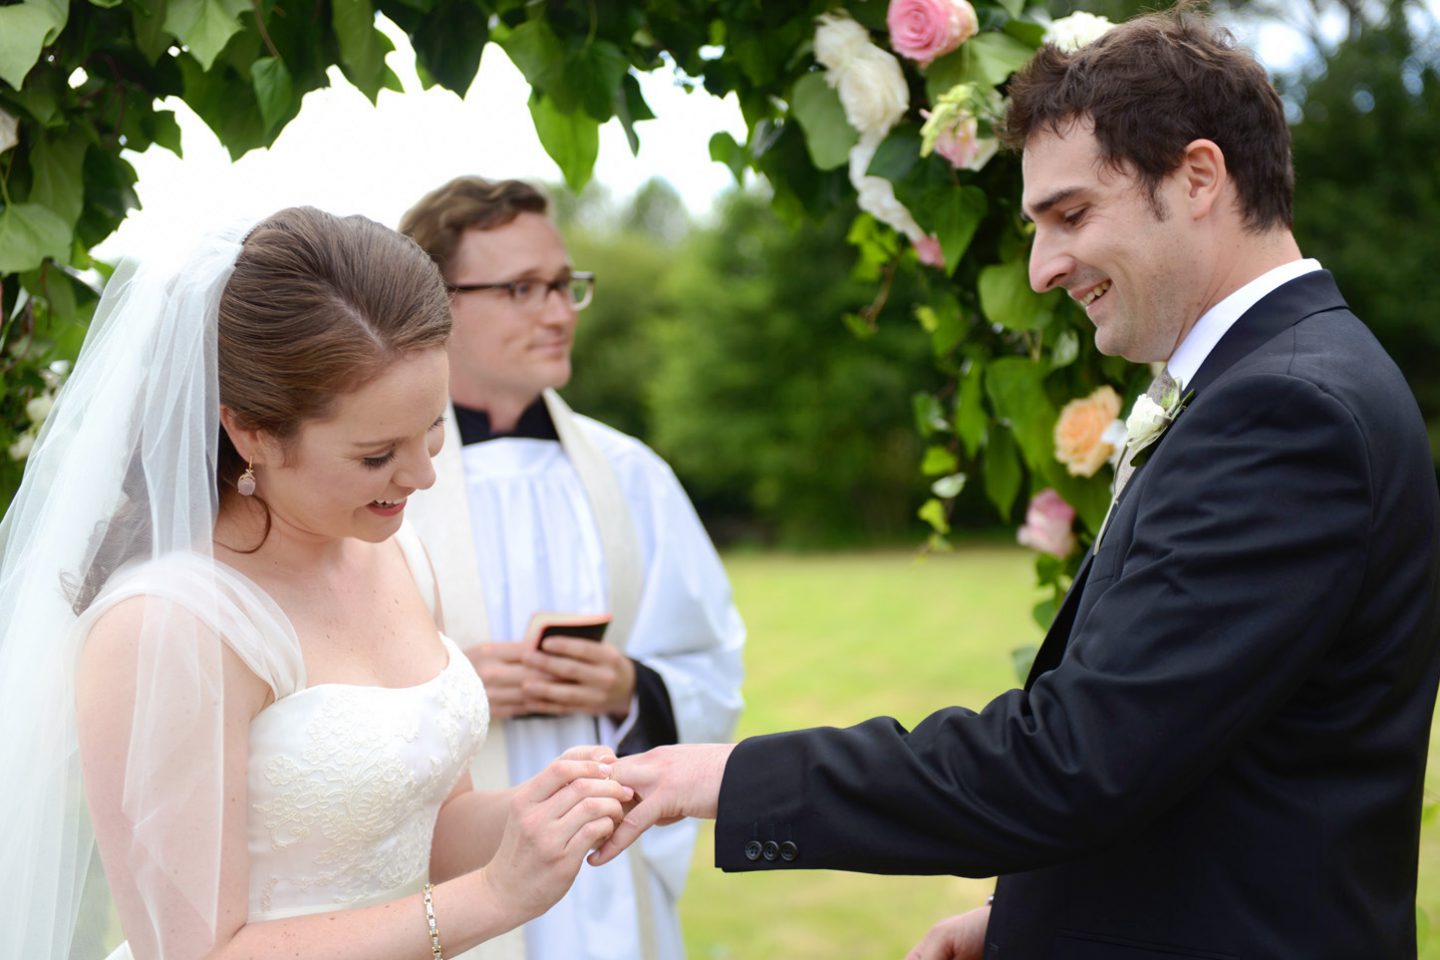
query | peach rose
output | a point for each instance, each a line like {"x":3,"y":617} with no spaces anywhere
{"x":1048,"y":522}
{"x":925,"y":29}
{"x":1080,"y":441}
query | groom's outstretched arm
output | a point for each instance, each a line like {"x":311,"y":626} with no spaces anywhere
{"x":670,"y":783}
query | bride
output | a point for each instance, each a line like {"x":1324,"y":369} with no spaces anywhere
{"x":219,"y":655}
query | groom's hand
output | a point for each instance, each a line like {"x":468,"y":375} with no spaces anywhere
{"x":669,"y":783}
{"x":954,"y":938}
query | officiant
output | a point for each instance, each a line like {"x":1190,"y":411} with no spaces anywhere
{"x":538,"y":509}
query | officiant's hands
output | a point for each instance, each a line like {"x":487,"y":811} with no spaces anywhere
{"x":570,"y":676}
{"x":670,"y":783}
{"x":954,"y":938}
{"x":555,"y":818}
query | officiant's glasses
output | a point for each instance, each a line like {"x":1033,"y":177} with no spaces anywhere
{"x":530,"y":295}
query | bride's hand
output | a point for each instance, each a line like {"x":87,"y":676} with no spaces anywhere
{"x":555,"y":819}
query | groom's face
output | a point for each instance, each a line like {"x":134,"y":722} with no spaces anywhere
{"x":1127,"y":259}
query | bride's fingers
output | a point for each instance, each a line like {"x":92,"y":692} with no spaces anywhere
{"x":557,"y":774}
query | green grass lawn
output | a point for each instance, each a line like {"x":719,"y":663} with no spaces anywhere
{"x":835,"y":640}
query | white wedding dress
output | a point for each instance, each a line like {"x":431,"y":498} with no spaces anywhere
{"x":345,"y":781}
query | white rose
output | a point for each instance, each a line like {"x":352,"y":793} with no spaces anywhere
{"x":20,"y":449}
{"x":872,"y":90}
{"x":1075,"y":31}
{"x":838,"y":40}
{"x":39,"y":408}
{"x":9,"y":130}
{"x":1146,"y":422}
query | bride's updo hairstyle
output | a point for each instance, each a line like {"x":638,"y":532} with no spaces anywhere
{"x":317,"y":305}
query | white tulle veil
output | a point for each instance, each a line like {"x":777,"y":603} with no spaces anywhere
{"x":123,"y":472}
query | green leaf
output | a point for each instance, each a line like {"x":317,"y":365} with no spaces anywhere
{"x":28,"y":234}
{"x":1006,"y":297}
{"x":828,"y":136}
{"x":897,"y":154}
{"x":59,"y":164}
{"x":226,"y":102}
{"x":938,"y":460}
{"x":1023,"y":658}
{"x":362,"y":47}
{"x":42,"y":104}
{"x":1016,"y":389}
{"x":994,"y":56}
{"x":597,"y":73}
{"x":862,"y":329}
{"x":147,"y":19}
{"x":448,"y":43}
{"x":1012,"y":7}
{"x":107,"y":4}
{"x":1002,"y":471}
{"x":932,"y":511}
{"x":538,"y":53}
{"x":948,"y":487}
{"x":929,"y":414}
{"x":631,"y":108}
{"x":945,"y":72}
{"x":724,"y":149}
{"x":274,"y":91}
{"x":204,"y":26}
{"x":25,"y":30}
{"x":167,"y":131}
{"x":954,"y":219}
{"x":944,"y":324}
{"x":571,"y":139}
{"x":971,"y":419}
{"x":1031,"y":34}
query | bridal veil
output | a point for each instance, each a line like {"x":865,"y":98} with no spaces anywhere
{"x":123,"y":472}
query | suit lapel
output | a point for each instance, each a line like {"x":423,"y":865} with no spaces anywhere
{"x":1276,"y":312}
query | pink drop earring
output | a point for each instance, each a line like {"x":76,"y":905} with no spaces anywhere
{"x":245,"y":486}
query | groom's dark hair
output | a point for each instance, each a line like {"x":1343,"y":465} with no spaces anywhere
{"x":1152,"y":85}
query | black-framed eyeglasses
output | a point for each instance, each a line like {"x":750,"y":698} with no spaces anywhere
{"x":577,"y":289}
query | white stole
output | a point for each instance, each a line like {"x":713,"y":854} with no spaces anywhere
{"x":442,"y":515}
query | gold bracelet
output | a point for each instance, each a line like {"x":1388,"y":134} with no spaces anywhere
{"x":435,"y":950}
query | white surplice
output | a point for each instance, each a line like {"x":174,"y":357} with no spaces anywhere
{"x":536,"y":548}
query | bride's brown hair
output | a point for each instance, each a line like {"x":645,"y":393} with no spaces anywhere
{"x":317,"y":305}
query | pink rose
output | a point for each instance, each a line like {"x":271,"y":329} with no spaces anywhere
{"x":963,"y":146}
{"x":925,"y":29}
{"x":1047,"y":525}
{"x":927,"y":248}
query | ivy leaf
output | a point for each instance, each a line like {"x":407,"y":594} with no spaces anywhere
{"x":948,"y":488}
{"x":166,"y":131}
{"x":29,"y":233}
{"x":59,"y":163}
{"x":597,"y":72}
{"x":274,"y":91}
{"x":955,"y":218}
{"x":932,"y":511}
{"x":970,"y":417}
{"x":1012,"y":7}
{"x":571,"y":139}
{"x":994,"y":56}
{"x":26,"y":29}
{"x":1006,"y":297}
{"x":1026,"y":32}
{"x":204,"y":26}
{"x":929,"y":414}
{"x":631,"y":108}
{"x":724,"y":149}
{"x":148,"y":22}
{"x":1002,"y":471}
{"x":1017,"y":392}
{"x":538,"y":53}
{"x":440,"y":55}
{"x":897,"y":154}
{"x":938,"y":460}
{"x":362,"y":47}
{"x":1066,"y":349}
{"x":828,"y":136}
{"x":945,"y":72}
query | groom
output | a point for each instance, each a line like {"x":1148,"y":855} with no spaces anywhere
{"x":1221,"y":748}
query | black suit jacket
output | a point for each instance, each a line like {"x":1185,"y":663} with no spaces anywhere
{"x":1221,"y":749}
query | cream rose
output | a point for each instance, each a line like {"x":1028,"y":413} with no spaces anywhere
{"x":1048,"y":523}
{"x":838,"y":40}
{"x":872,"y":90}
{"x":1080,"y":432}
{"x":39,"y":408}
{"x":1147,"y":421}
{"x":925,"y":29}
{"x":1075,"y":31}
{"x":22,"y":446}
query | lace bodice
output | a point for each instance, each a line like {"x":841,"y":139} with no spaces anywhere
{"x":345,"y":785}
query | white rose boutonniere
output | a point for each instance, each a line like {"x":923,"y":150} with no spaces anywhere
{"x":1149,"y":419}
